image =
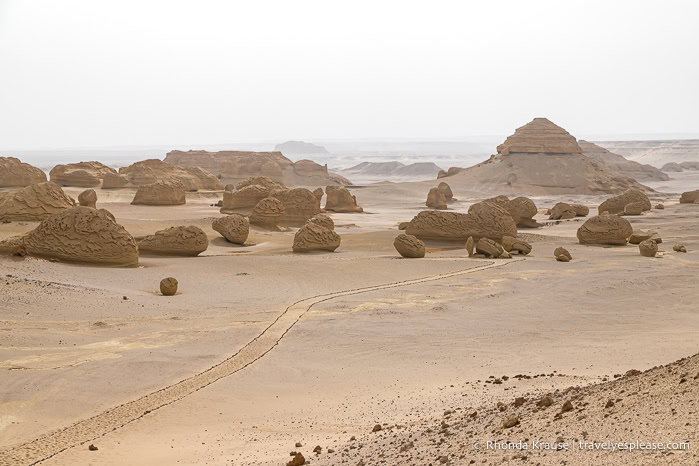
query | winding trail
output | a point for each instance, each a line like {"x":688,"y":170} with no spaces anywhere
{"x":52,"y":443}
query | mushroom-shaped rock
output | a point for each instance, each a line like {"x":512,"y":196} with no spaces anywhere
{"x":511,"y":244}
{"x":267,"y":213}
{"x":446,"y":190}
{"x":562,"y":211}
{"x":638,"y":236}
{"x":488,"y":247}
{"x":79,"y":234}
{"x":616,"y":204}
{"x":160,"y":193}
{"x":114,"y":181}
{"x":299,"y":205}
{"x":175,"y":241}
{"x":648,"y":248}
{"x":323,"y":220}
{"x":88,"y":198}
{"x":605,"y":229}
{"x":168,"y":286}
{"x":318,"y":193}
{"x":313,"y":237}
{"x":409,"y":246}
{"x":243,"y":198}
{"x":634,"y":208}
{"x":35,"y":202}
{"x":483,"y":220}
{"x":234,"y":227}
{"x":436,"y":199}
{"x":522,"y":209}
{"x":340,"y":200}
{"x":562,"y":255}
{"x":14,"y":173}
{"x":690,"y":197}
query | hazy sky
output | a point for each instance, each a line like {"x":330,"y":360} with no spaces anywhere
{"x":102,"y":73}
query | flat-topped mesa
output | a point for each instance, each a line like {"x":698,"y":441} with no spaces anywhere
{"x":238,"y":165}
{"x":15,"y":173}
{"x":540,"y":136}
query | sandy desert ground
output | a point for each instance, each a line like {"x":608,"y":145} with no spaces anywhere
{"x":262,"y":349}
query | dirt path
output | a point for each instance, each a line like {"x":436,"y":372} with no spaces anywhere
{"x":97,"y":426}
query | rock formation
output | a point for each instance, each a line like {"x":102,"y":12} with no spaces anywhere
{"x":318,"y":193}
{"x":82,"y":174}
{"x":648,"y":248}
{"x":268,"y":213}
{"x":450,"y":172}
{"x":340,"y":200}
{"x":520,"y":246}
{"x":489,"y":248}
{"x":114,"y":181}
{"x":323,"y":220}
{"x":678,"y":167}
{"x":522,"y":209}
{"x":446,"y":190}
{"x":679,"y":248}
{"x":484,"y":219}
{"x":605,"y":229}
{"x":436,"y":199}
{"x":79,"y":234}
{"x":300,"y":147}
{"x":235,"y":228}
{"x":299,"y":205}
{"x":150,"y":171}
{"x":35,"y":202}
{"x":239,"y":165}
{"x":168,"y":286}
{"x":88,"y":198}
{"x":160,"y":193}
{"x":634,"y":208}
{"x":616,"y":204}
{"x":14,"y":173}
{"x":243,"y":199}
{"x":313,"y":237}
{"x":690,"y":197}
{"x":175,"y":241}
{"x":540,"y":136}
{"x":618,"y":163}
{"x":409,"y":246}
{"x":263,"y":181}
{"x":638,"y":236}
{"x":562,"y":211}
{"x":562,"y":255}
{"x":470,"y":245}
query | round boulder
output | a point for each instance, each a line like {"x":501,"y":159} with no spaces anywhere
{"x":648,"y":248}
{"x":409,"y":246}
{"x":436,"y":199}
{"x":168,"y":286}
{"x":235,"y":228}
{"x":88,"y":198}
{"x":267,"y":213}
{"x":605,"y":230}
{"x":313,"y":237}
{"x":323,"y":220}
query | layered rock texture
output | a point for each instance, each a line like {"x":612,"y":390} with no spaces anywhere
{"x":81,"y":174}
{"x":191,"y":178}
{"x":542,"y":159}
{"x":617,"y":204}
{"x":268,"y":213}
{"x":88,"y":198}
{"x":79,"y":234}
{"x":605,"y":229}
{"x":436,"y":199}
{"x":35,"y":202}
{"x":313,"y":237}
{"x":690,"y":197}
{"x":299,"y":205}
{"x":243,"y":198}
{"x":323,"y":220}
{"x":175,"y":241}
{"x":339,"y":199}
{"x":235,"y":228}
{"x":563,"y":211}
{"x":483,"y":220}
{"x":14,"y":173}
{"x":409,"y":246}
{"x":620,"y":164}
{"x":114,"y":181}
{"x":238,"y":165}
{"x":161,"y":193}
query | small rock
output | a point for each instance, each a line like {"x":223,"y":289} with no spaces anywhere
{"x":469,"y":246}
{"x":317,"y":449}
{"x":610,"y":404}
{"x":648,"y":248}
{"x":679,"y":248}
{"x":659,"y":206}
{"x":92,"y":447}
{"x":168,"y":286}
{"x":376,"y":428}
{"x":510,"y":421}
{"x":519,"y":401}
{"x":298,"y":445}
{"x":567,"y":406}
{"x":298,"y":460}
{"x":544,"y":402}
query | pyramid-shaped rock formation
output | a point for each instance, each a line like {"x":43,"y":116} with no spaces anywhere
{"x":540,"y":136}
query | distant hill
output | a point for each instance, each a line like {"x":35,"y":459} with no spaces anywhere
{"x":394,"y":169}
{"x":300,"y":147}
{"x":656,"y":153}
{"x":618,"y":163}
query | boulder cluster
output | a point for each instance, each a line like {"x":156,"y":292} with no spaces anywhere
{"x":486,"y":247}
{"x":636,"y":200}
{"x":438,"y":197}
{"x":564,"y":211}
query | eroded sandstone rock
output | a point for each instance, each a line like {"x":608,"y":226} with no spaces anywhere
{"x":648,"y":248}
{"x":114,"y":181}
{"x":175,"y":241}
{"x":540,"y":136}
{"x":339,"y":199}
{"x":244,"y":198}
{"x":299,"y":205}
{"x":436,"y":199}
{"x":616,"y":204}
{"x":690,"y":197}
{"x":88,"y":198}
{"x":160,"y":193}
{"x":605,"y":229}
{"x":522,"y":209}
{"x":14,"y":173}
{"x":562,"y":255}
{"x":82,"y":174}
{"x":638,"y":236}
{"x":489,"y":248}
{"x":313,"y":237}
{"x":323,"y":220}
{"x":268,"y":213}
{"x":409,"y":246}
{"x":234,"y":227}
{"x":168,"y":286}
{"x":446,"y":190}
{"x":153,"y":170}
{"x":515,"y":244}
{"x":562,"y":211}
{"x":634,"y":208}
{"x":34,"y":202}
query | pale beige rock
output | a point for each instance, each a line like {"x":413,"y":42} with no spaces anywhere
{"x":299,"y":205}
{"x":160,"y":193}
{"x":14,"y":173}
{"x":618,"y":163}
{"x":82,"y":174}
{"x":638,"y":236}
{"x":659,"y":206}
{"x":562,"y":211}
{"x":450,"y":172}
{"x":690,"y":197}
{"x":605,"y":229}
{"x":436,"y":199}
{"x":34,"y":202}
{"x":268,"y":213}
{"x":114,"y":181}
{"x":648,"y":248}
{"x":446,"y":190}
{"x":244,"y":198}
{"x":484,"y":219}
{"x":470,"y":245}
{"x":540,"y":136}
{"x":339,"y":199}
{"x":313,"y":237}
{"x":318,"y":193}
{"x":263,"y":181}
{"x":175,"y":241}
{"x":168,"y":286}
{"x":323,"y":220}
{"x":510,"y":244}
{"x":88,"y":198}
{"x":522,"y":209}
{"x":154,"y":170}
{"x":562,"y":255}
{"x":634,"y":208}
{"x":616,"y":204}
{"x":679,"y":248}
{"x":229,"y":187}
{"x":234,"y":227}
{"x":409,"y":246}
{"x":79,"y":234}
{"x":489,"y":247}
